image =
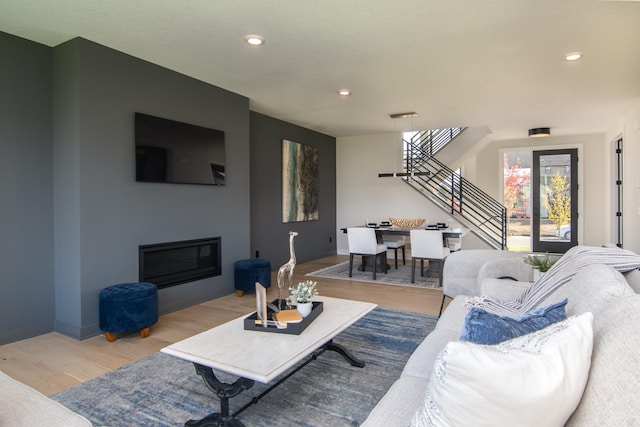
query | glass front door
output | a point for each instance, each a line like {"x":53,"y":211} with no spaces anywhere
{"x":554,"y":200}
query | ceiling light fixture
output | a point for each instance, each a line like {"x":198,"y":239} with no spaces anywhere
{"x":344,"y":92}
{"x":539,"y":132}
{"x":403,"y":174}
{"x":254,"y":40}
{"x":573,"y":56}
{"x":403,"y":115}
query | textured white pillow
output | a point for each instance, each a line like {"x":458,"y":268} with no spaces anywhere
{"x":533,"y":380}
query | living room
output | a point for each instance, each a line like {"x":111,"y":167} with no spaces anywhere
{"x":73,"y":207}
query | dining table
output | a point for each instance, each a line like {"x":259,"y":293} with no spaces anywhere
{"x":392,"y":230}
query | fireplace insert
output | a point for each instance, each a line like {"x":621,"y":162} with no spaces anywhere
{"x":173,"y":263}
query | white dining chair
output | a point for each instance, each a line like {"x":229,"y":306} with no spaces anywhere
{"x":427,"y":245}
{"x":362,"y":241}
{"x":396,"y":244}
{"x":454,"y":243}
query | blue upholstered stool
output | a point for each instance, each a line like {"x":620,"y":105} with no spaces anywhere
{"x":128,"y":307}
{"x":249,"y":271}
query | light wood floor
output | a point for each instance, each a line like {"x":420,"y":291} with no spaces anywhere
{"x":53,"y":362}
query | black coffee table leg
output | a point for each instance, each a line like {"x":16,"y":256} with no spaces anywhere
{"x":224,"y":391}
{"x":344,"y":353}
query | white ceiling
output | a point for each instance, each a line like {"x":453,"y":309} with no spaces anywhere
{"x":495,"y":63}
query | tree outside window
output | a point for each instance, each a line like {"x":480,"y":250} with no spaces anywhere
{"x":558,"y":200}
{"x":517,"y":182}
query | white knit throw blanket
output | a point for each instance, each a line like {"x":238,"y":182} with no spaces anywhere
{"x":560,"y":273}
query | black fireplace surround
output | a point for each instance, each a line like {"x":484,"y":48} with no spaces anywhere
{"x":173,"y":263}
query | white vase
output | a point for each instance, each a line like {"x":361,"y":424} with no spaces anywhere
{"x":537,"y":274}
{"x":304,"y":308}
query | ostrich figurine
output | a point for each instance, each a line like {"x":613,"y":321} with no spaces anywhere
{"x":287,"y":268}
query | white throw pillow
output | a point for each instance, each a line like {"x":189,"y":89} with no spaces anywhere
{"x":533,"y":380}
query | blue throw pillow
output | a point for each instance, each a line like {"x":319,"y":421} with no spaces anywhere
{"x":482,"y":327}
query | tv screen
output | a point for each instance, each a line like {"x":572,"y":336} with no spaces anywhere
{"x":175,"y":152}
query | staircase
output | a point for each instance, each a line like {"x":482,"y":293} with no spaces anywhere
{"x":447,"y":189}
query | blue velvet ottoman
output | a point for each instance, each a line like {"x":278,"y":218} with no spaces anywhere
{"x":128,"y":307}
{"x":249,"y":271}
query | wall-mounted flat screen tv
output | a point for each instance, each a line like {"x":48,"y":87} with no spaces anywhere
{"x":179,"y":153}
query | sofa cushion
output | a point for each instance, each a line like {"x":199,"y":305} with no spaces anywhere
{"x":633,"y":278}
{"x":399,"y":404}
{"x":424,"y":356}
{"x":453,"y":317}
{"x":482,"y":327}
{"x":503,"y":289}
{"x":592,"y":289}
{"x":533,"y":380}
{"x":610,"y":397}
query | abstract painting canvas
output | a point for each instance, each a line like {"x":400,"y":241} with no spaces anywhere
{"x":299,"y":182}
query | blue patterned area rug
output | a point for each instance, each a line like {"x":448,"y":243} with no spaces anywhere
{"x":162,"y":390}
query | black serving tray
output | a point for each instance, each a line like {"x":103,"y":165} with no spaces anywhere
{"x":291,"y":329}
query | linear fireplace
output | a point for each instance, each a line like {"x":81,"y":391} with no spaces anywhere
{"x":169,"y":264}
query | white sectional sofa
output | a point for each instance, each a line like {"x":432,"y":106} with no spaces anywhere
{"x":21,"y":405}
{"x":612,"y":379}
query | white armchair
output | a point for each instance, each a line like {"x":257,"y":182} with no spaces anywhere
{"x":427,"y":245}
{"x":473,"y":272}
{"x":362,"y":241}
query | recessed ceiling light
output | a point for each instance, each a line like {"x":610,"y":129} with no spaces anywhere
{"x":573,"y":56}
{"x":254,"y":40}
{"x":344,"y":92}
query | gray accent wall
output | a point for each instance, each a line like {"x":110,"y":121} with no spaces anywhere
{"x":72,"y":213}
{"x":269,"y":235}
{"x":102,"y":214}
{"x":26,"y":212}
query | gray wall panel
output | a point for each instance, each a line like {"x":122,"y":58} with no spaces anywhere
{"x":26,"y":215}
{"x":269,"y":235}
{"x":116,"y":213}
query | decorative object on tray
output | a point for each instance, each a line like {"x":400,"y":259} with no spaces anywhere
{"x":407,"y":222}
{"x":540,"y":264}
{"x":288,"y":316}
{"x":301,"y":296}
{"x":261,"y":304}
{"x":276,"y":325}
{"x":287,"y":268}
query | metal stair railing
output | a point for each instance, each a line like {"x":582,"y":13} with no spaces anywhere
{"x":434,"y":140}
{"x":453,"y":193}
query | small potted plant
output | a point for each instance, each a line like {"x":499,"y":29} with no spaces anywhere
{"x":540,"y":264}
{"x":301,"y":296}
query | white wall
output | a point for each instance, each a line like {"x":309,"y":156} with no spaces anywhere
{"x":629,"y":128}
{"x":362,"y":196}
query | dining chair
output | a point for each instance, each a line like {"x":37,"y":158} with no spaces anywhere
{"x":396,"y":244}
{"x":427,"y":245}
{"x":454,"y":243}
{"x":362,"y":241}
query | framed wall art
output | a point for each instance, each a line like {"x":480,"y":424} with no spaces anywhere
{"x":299,"y":182}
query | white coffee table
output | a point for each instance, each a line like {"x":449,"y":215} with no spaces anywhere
{"x":263,"y":356}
